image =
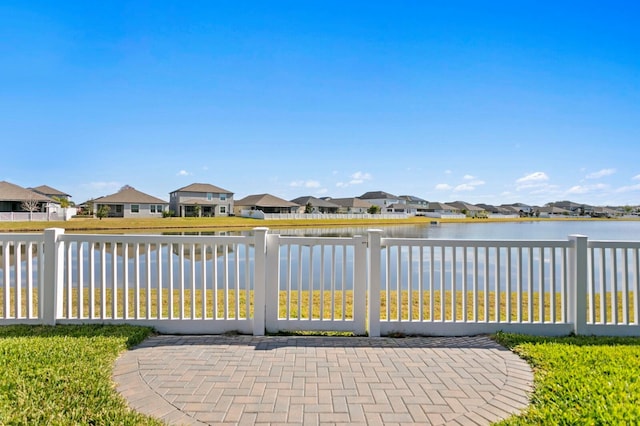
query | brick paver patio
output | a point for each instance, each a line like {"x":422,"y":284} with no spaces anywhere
{"x":278,"y":380}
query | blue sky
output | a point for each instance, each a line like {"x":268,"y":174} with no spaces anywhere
{"x":487,"y":102}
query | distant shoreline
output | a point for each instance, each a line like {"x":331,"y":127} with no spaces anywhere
{"x":237,"y":223}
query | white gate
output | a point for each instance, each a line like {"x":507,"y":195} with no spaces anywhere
{"x":318,"y":284}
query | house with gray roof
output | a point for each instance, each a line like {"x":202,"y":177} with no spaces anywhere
{"x":552,"y":211}
{"x":13,"y":198}
{"x":201,"y":199}
{"x":470,"y":210}
{"x":412,"y":199}
{"x":129,"y":203}
{"x":435,"y":209}
{"x":266,"y":203}
{"x":51,"y":192}
{"x":351,"y":205}
{"x":317,"y":205}
{"x":381,"y":199}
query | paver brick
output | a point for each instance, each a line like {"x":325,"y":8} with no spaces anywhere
{"x":321,"y":380}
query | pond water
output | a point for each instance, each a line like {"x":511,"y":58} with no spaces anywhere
{"x":534,"y":230}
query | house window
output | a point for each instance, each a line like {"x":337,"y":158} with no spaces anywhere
{"x":159,"y":208}
{"x":223,"y":209}
{"x":153,"y":208}
{"x":209,"y":196}
{"x":223,"y":197}
{"x":119,"y":208}
{"x":135,"y":208}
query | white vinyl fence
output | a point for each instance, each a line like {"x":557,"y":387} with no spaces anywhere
{"x":371,"y":285}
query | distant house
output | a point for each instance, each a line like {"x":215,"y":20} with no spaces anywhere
{"x":351,"y":205}
{"x":552,"y":211}
{"x":412,"y":199}
{"x":129,"y":203}
{"x":266,"y":203}
{"x":318,"y":205}
{"x":576,"y":208}
{"x":51,"y":192}
{"x":519,"y":208}
{"x":402,"y":208}
{"x":435,"y":209}
{"x":496,"y":210}
{"x":606,"y":212}
{"x":470,"y":210}
{"x":14,"y":198}
{"x":381,"y":199}
{"x":201,"y":199}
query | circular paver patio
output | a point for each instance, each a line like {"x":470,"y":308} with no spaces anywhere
{"x":222,"y":380}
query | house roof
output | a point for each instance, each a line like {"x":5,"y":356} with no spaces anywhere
{"x":412,"y":199}
{"x":315,"y":202}
{"x":553,"y":210}
{"x":264,"y":200}
{"x":128,"y":195}
{"x":49,"y":191}
{"x":13,"y":192}
{"x":203,"y":187}
{"x":351,"y":202}
{"x":440,"y":206}
{"x":376,"y":195}
{"x":466,"y":206}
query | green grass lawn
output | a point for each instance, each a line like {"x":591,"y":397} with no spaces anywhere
{"x":580,"y":380}
{"x":62,"y":375}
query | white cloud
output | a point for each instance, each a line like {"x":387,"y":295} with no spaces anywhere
{"x":183,"y":173}
{"x":601,"y":173}
{"x":305,"y":184}
{"x":629,"y":188}
{"x":464,"y":187}
{"x":636,"y":177}
{"x":447,"y":172}
{"x":533,"y":177}
{"x":468,"y":177}
{"x":443,"y":187}
{"x":356,"y":179}
{"x":359,"y":177}
{"x":322,"y":191}
{"x":585,"y":189}
{"x":533,"y":180}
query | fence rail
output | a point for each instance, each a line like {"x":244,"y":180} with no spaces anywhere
{"x":365,"y":284}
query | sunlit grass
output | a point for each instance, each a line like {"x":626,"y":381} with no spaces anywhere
{"x":234,"y":304}
{"x":235,"y":223}
{"x":62,"y":375}
{"x":580,"y":380}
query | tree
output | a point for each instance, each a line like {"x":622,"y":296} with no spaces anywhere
{"x":64,"y":203}
{"x":103,"y":211}
{"x":373,"y":209}
{"x":196,"y":210}
{"x":308,"y":208}
{"x":30,"y":205}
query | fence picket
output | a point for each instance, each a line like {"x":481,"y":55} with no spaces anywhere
{"x":437,"y":287}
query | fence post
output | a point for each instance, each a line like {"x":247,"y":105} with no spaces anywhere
{"x":50,"y":292}
{"x":260,"y":280}
{"x":360,"y":285}
{"x":373,"y":308}
{"x":578,"y":275}
{"x":272,"y":286}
